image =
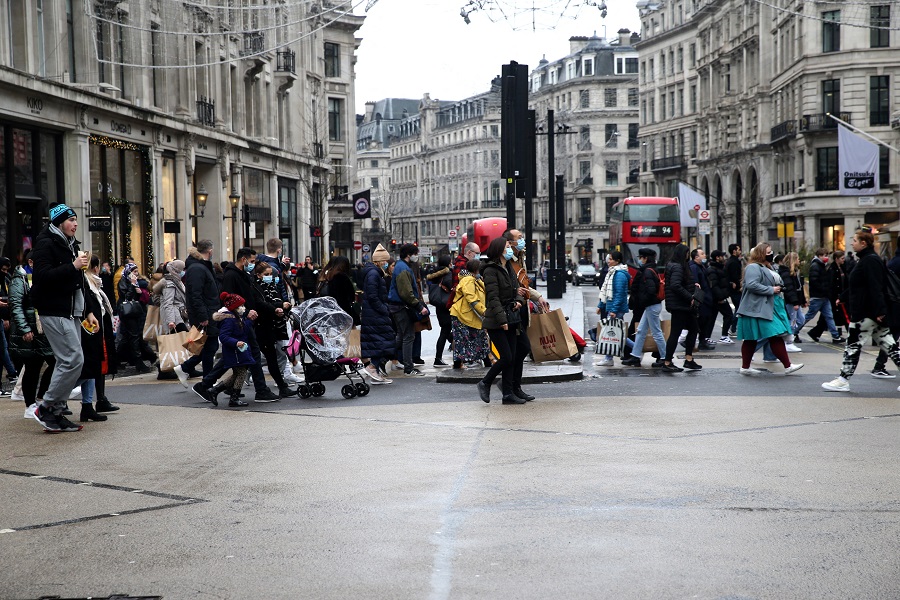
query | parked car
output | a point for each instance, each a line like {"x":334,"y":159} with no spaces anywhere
{"x":584,"y":274}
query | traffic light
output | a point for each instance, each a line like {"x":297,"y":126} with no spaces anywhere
{"x":393,"y":245}
{"x":589,"y":245}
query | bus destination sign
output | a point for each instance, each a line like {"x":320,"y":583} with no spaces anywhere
{"x":651,"y":230}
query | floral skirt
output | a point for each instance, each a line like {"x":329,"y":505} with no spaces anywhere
{"x":469,"y":344}
{"x":755,"y":328}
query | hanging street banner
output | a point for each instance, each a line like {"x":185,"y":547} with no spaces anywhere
{"x":858,"y":164}
{"x":691,"y":202}
{"x":362,"y":205}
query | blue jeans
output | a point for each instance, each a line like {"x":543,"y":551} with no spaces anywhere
{"x":796,"y":318}
{"x":649,"y":320}
{"x":10,"y":368}
{"x":87,"y":390}
{"x":824,"y":305}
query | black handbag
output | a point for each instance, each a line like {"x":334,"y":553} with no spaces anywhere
{"x":129,"y":308}
{"x":513,"y":316}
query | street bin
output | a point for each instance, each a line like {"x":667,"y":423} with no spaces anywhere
{"x":556,"y":283}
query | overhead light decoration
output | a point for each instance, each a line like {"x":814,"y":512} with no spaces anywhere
{"x":529,"y":14}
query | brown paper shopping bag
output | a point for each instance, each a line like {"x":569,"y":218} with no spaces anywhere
{"x":353,"y":345}
{"x":153,"y":325}
{"x":550,"y":336}
{"x":172,"y":351}
{"x":195,"y":340}
{"x":650,"y":343}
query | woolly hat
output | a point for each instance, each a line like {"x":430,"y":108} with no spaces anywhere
{"x":60,"y":213}
{"x":231,"y":301}
{"x":129,"y":269}
{"x":380,"y":254}
{"x":175,"y":267}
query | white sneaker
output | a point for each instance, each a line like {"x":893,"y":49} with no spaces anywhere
{"x":725,"y":340}
{"x":298,"y":368}
{"x":29,"y":411}
{"x":770,"y":361}
{"x":750,"y":371}
{"x":288,"y":375}
{"x":794,"y":368}
{"x":838,"y":384}
{"x":182,"y":376}
{"x":372,"y":373}
{"x":793,"y":348}
{"x":877,"y":373}
{"x":75,"y":394}
{"x":605,"y":362}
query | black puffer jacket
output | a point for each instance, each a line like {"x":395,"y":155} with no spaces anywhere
{"x":55,"y":281}
{"x":719,"y":283}
{"x":819,"y":280}
{"x":376,"y":335}
{"x":499,"y":292}
{"x":793,"y":287}
{"x":201,"y":289}
{"x":679,"y":288}
{"x":866,"y":284}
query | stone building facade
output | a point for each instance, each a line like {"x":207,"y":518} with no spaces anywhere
{"x":735,"y":98}
{"x":136,"y":112}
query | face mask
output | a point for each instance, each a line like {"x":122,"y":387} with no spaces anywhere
{"x":248,"y":268}
{"x":703,"y":260}
{"x":770,"y":257}
{"x":384,"y":266}
{"x":277,"y":279}
{"x":414,"y":258}
{"x":267,"y":279}
{"x":182,"y":274}
{"x":520,"y":245}
{"x":241,"y":310}
{"x":508,"y":254}
{"x":824,"y":259}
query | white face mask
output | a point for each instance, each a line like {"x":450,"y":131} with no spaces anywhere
{"x":241,"y":310}
{"x":414,"y":258}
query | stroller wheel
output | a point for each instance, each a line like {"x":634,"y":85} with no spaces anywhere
{"x":348,"y":391}
{"x":318,"y":389}
{"x":362,"y":389}
{"x":305,"y":392}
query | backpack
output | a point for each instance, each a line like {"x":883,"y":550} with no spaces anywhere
{"x":892,"y":288}
{"x":661,"y":290}
{"x":293,"y":346}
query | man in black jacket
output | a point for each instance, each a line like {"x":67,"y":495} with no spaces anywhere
{"x":734,"y":268}
{"x":720,"y":286}
{"x":870,"y":313}
{"x":820,"y":282}
{"x":646,"y":295}
{"x":57,"y":292}
{"x":309,"y":278}
{"x":202,"y":300}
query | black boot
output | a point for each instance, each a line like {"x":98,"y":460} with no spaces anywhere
{"x":89,"y":414}
{"x":235,"y":400}
{"x":104,"y":405}
{"x":513,"y":399}
{"x":212,"y":394}
{"x":521,"y":394}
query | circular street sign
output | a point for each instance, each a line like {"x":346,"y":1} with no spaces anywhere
{"x":704,"y":215}
{"x":366,"y":248}
{"x":452,"y":233}
{"x":696,"y":207}
{"x":357,"y":245}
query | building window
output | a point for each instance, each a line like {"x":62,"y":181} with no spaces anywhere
{"x":693,"y":144}
{"x":880,"y":21}
{"x":588,"y":67}
{"x":584,"y":173}
{"x":633,"y":135}
{"x":831,"y":31}
{"x":693,"y":98}
{"x":610,"y":203}
{"x":585,"y":136}
{"x":374,"y":183}
{"x":662,"y":63}
{"x":631,"y":65}
{"x":584,"y":216}
{"x":632,"y":96}
{"x":692,"y":55}
{"x":610,"y":97}
{"x":884,"y":166}
{"x":612,"y":135}
{"x":495,"y":131}
{"x":831,"y":96}
{"x":332,"y":60}
{"x":373,"y":164}
{"x":335,"y":112}
{"x":827,"y":168}
{"x":70,"y":31}
{"x":585,"y":98}
{"x":879,"y":100}
{"x":680,"y":64}
{"x":612,"y":172}
{"x":155,"y":74}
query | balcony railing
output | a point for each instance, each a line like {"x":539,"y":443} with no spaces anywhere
{"x":586,"y":180}
{"x":206,"y":111}
{"x":821,"y":121}
{"x":826,"y":182}
{"x":785,"y":130}
{"x":669,"y":162}
{"x":254,"y":43}
{"x":495,"y":203}
{"x":286,"y":62}
{"x":584,"y":220}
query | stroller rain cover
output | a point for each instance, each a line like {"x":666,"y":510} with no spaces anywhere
{"x":325,"y":328}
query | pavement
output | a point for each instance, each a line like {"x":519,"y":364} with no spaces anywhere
{"x":627,"y":484}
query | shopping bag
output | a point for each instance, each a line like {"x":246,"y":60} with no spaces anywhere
{"x":423,"y":324}
{"x":153,"y":326}
{"x":353,"y":345}
{"x":172,"y":351}
{"x":550,"y":337}
{"x":650,"y":343}
{"x":611,"y":337}
{"x":196,"y":338}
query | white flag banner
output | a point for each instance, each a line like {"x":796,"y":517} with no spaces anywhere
{"x":857,"y":164}
{"x":690,"y":200}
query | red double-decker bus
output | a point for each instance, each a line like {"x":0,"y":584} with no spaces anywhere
{"x":482,"y":231}
{"x":645,"y":222}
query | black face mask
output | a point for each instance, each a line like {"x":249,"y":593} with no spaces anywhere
{"x":770,"y":257}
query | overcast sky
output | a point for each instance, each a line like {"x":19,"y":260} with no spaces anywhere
{"x":413,"y":47}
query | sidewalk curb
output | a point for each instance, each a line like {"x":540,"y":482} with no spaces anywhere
{"x":531,"y":374}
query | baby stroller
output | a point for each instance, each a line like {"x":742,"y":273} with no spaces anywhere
{"x":318,"y":342}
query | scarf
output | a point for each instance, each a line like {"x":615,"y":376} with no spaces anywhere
{"x":96,"y":285}
{"x":176,"y":280}
{"x":606,"y":291}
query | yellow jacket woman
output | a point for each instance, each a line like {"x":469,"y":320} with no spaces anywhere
{"x":468,"y":305}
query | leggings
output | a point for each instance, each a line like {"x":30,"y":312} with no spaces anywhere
{"x":30,"y":388}
{"x":268,"y":350}
{"x":776,"y":343}
{"x":682,"y":320}
{"x":506,"y":342}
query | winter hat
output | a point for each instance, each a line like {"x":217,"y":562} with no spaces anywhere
{"x":175,"y":267}
{"x":647,"y":253}
{"x":380,"y":254}
{"x":60,"y":213}
{"x":129,"y":269}
{"x":231,"y":301}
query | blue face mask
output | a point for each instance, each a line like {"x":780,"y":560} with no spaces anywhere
{"x":520,"y":245}
{"x":277,"y":279}
{"x":267,"y":279}
{"x":508,"y":254}
{"x":249,"y":268}
{"x":183,"y":273}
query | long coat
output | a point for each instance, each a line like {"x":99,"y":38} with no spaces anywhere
{"x":231,"y":331}
{"x":376,"y":335}
{"x":22,"y":321}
